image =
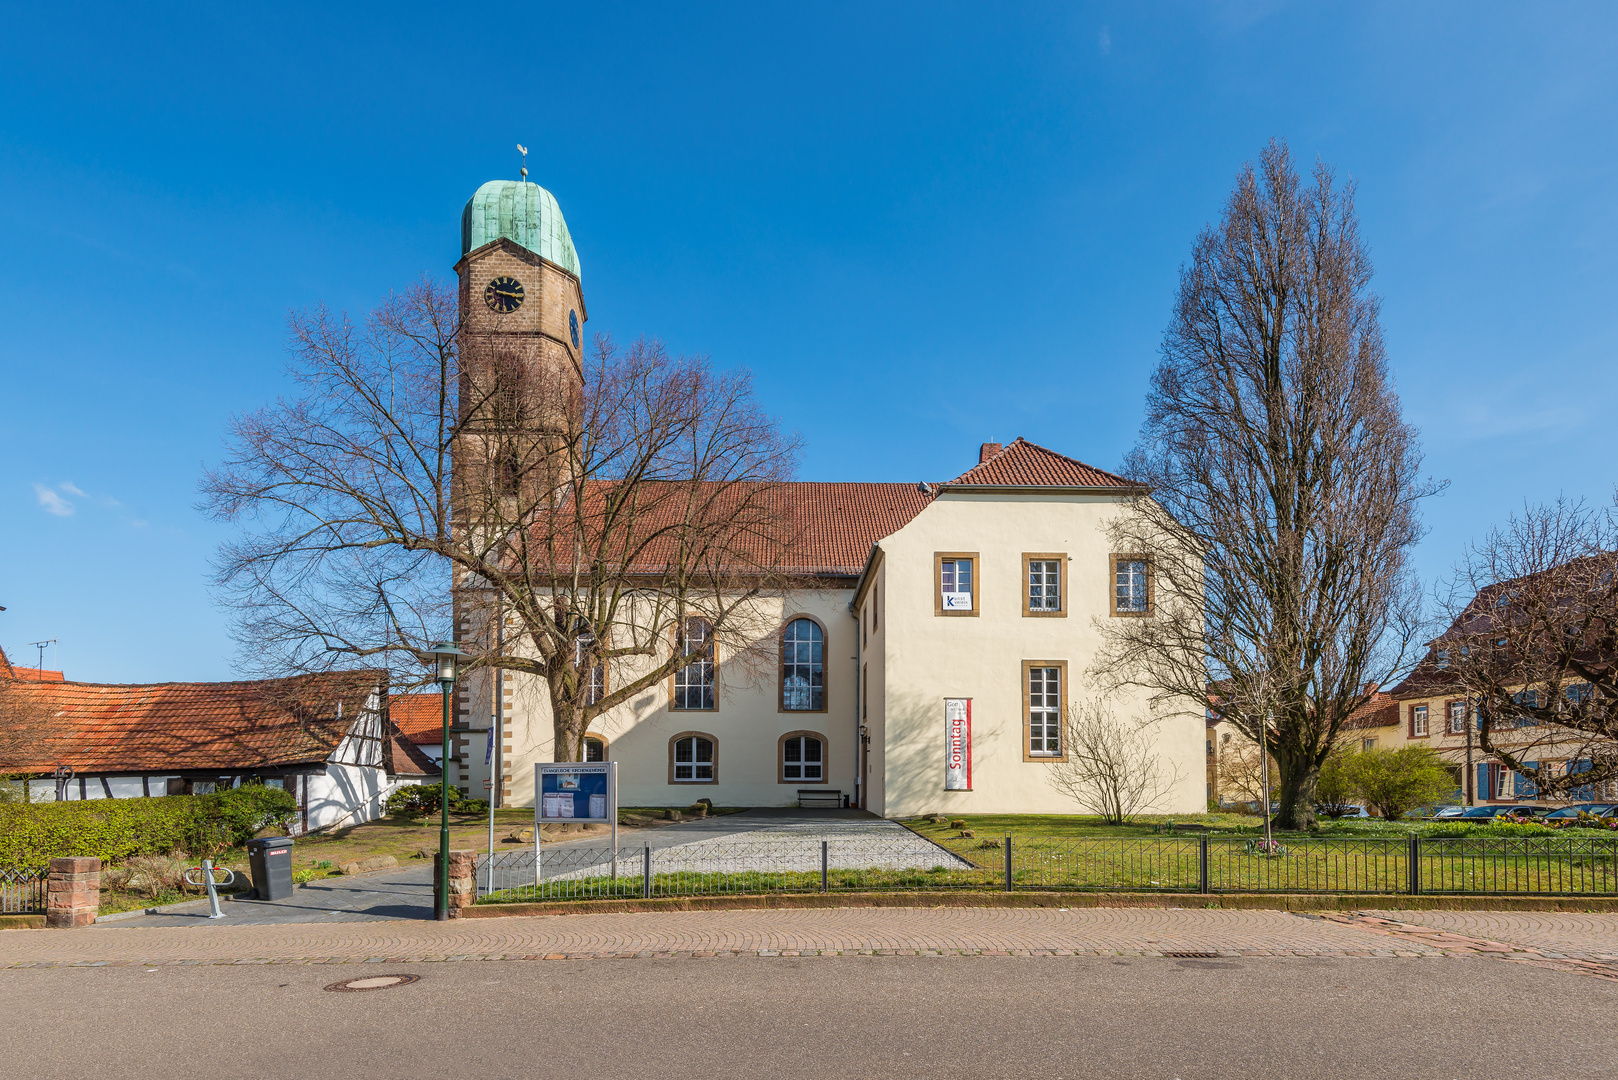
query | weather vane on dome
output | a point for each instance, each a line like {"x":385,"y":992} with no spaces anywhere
{"x":523,"y":150}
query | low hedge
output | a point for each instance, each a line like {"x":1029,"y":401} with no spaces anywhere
{"x":31,"y":834}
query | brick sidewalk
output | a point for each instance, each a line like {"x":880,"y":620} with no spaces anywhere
{"x":972,"y":931}
{"x":1592,"y":936}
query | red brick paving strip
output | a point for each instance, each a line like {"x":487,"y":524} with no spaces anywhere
{"x":1583,"y":944}
{"x":838,"y":931}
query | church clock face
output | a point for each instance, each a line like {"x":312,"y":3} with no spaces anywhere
{"x":573,"y":327}
{"x":503,"y":295}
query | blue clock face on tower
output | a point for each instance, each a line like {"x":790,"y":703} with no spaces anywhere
{"x":503,"y":295}
{"x":573,"y":326}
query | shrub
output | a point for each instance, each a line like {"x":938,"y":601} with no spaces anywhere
{"x":1393,"y":781}
{"x":155,"y":875}
{"x":419,"y":799}
{"x":471,"y":806}
{"x":112,"y":830}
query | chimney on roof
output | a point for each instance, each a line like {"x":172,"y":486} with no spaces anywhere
{"x":988,"y":450}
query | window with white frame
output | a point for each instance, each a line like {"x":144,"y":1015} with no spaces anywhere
{"x":1457,"y":717}
{"x":1044,"y":710}
{"x":693,"y":760}
{"x":803,"y":758}
{"x":1044,"y":585}
{"x":1368,"y":744}
{"x":1130,"y":586}
{"x":955,"y":584}
{"x":803,"y":667}
{"x":693,"y":684}
{"x":1418,"y":721}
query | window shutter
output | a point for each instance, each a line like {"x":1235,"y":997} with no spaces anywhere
{"x":1483,"y":790}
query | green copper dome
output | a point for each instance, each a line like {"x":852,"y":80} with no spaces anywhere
{"x":523,"y":213}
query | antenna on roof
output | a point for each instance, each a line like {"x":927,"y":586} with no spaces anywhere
{"x":40,"y":645}
{"x":523,"y":150}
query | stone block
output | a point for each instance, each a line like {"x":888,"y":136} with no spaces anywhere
{"x":72,"y":892}
{"x":366,"y":866}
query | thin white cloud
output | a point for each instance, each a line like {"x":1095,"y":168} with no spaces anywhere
{"x":70,"y":488}
{"x":1105,"y":41}
{"x":52,"y":502}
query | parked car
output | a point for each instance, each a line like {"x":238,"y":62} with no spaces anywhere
{"x":1566,"y":813}
{"x":1483,"y":814}
{"x":1432,"y":813}
{"x":1346,"y":813}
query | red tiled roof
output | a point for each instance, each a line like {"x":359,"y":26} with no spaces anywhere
{"x":34,"y":674}
{"x":401,"y":758}
{"x":828,"y":528}
{"x":1381,"y":711}
{"x":1024,"y":464}
{"x":232,"y":725}
{"x":838,"y":523}
{"x":418,"y":717}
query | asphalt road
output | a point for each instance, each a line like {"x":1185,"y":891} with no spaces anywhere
{"x":1262,"y":1018}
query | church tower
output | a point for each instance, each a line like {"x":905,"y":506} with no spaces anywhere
{"x":522,"y":369}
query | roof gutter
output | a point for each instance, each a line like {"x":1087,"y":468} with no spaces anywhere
{"x":1064,"y":489}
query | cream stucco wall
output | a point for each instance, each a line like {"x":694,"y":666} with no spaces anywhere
{"x":928,"y":657}
{"x":746,"y":723}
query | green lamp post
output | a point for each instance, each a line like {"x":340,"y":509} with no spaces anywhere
{"x":448,"y":659}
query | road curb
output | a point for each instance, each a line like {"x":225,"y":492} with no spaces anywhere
{"x":1236,"y":901}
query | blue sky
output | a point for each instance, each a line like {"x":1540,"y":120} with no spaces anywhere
{"x":922,"y":226}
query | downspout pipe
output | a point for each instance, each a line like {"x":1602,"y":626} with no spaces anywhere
{"x":859,"y":743}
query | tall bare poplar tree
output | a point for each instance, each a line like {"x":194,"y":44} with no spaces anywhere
{"x":1284,"y":482}
{"x":625,"y":517}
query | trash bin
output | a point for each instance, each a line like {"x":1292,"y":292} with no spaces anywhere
{"x":271,"y":861}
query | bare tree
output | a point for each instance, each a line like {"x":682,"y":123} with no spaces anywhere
{"x":1112,"y":767}
{"x":1283,"y":482}
{"x":1533,"y":643}
{"x":624,"y":518}
{"x":1240,"y":775}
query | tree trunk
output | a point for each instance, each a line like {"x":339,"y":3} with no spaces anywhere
{"x":1296,"y":793}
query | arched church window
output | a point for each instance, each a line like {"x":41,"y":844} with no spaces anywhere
{"x":803,"y":667}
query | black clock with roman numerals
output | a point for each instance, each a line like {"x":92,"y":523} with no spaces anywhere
{"x":503,"y":295}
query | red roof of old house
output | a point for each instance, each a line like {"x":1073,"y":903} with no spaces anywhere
{"x":1024,"y":464}
{"x":227,"y":726}
{"x":418,"y":717}
{"x":1381,"y":711}
{"x":34,"y":674}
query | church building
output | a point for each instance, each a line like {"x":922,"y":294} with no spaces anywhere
{"x":925,"y":662}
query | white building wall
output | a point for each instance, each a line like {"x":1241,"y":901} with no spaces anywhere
{"x":747,"y":723}
{"x":929,"y":657}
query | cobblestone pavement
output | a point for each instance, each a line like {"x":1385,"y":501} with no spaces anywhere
{"x":1588,"y":936}
{"x":973,"y":931}
{"x":1586,"y":942}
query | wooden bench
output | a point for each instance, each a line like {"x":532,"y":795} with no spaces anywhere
{"x":820,"y":800}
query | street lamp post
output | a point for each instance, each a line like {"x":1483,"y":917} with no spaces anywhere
{"x":448,"y":658}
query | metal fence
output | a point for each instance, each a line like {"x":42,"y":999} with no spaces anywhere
{"x":1402,"y":865}
{"x":22,"y":892}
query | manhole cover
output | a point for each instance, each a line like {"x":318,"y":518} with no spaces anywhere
{"x":372,"y":982}
{"x":1193,"y":955}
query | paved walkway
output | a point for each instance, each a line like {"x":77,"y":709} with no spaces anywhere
{"x":383,"y":897}
{"x":1035,"y":931}
{"x":1559,"y":934}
